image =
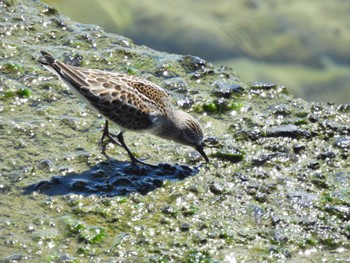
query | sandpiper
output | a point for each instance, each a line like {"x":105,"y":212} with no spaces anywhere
{"x":133,"y":103}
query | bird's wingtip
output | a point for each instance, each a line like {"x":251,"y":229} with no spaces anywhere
{"x":47,"y":58}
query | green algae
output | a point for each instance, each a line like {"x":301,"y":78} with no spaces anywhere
{"x":24,"y":93}
{"x":21,"y":92}
{"x":92,"y":235}
{"x":132,"y":71}
{"x":10,"y":94}
{"x":9,"y":3}
{"x":12,"y":68}
{"x":217,"y":106}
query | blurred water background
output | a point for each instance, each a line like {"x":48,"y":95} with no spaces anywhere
{"x":303,"y":45}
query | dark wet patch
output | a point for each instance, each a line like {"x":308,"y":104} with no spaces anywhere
{"x":342,"y":142}
{"x":111,"y":178}
{"x":231,"y":154}
{"x":277,"y":157}
{"x":193,"y":63}
{"x":291,"y":131}
{"x":341,"y":211}
{"x":73,"y":59}
{"x":227,"y":90}
{"x":262,"y":86}
{"x":197,"y":67}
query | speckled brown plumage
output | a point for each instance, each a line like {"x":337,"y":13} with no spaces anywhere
{"x":127,"y":101}
{"x":130,"y":102}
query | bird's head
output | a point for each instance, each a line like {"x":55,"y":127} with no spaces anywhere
{"x":188,"y":131}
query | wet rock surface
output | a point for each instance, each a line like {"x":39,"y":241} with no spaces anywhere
{"x":276,"y":189}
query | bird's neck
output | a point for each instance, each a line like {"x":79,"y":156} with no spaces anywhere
{"x":171,"y":127}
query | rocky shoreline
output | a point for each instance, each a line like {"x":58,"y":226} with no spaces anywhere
{"x":276,"y":190}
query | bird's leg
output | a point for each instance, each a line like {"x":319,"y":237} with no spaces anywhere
{"x":132,"y":157}
{"x":107,"y":134}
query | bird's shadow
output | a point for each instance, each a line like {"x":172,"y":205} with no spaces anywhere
{"x":111,"y":178}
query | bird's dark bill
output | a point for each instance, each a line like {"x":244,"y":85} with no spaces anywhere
{"x":201,"y":151}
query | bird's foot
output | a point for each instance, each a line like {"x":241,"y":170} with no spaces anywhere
{"x":103,"y":143}
{"x":105,"y":133}
{"x":136,"y":161}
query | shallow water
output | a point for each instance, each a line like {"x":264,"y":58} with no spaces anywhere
{"x":299,"y":44}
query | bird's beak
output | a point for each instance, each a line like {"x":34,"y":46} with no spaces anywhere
{"x":199,"y":148}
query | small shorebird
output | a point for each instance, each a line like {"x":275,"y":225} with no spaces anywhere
{"x":133,"y":103}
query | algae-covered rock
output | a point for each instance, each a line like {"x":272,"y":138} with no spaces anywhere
{"x":276,"y":187}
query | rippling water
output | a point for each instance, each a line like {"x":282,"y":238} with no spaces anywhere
{"x":299,"y":44}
